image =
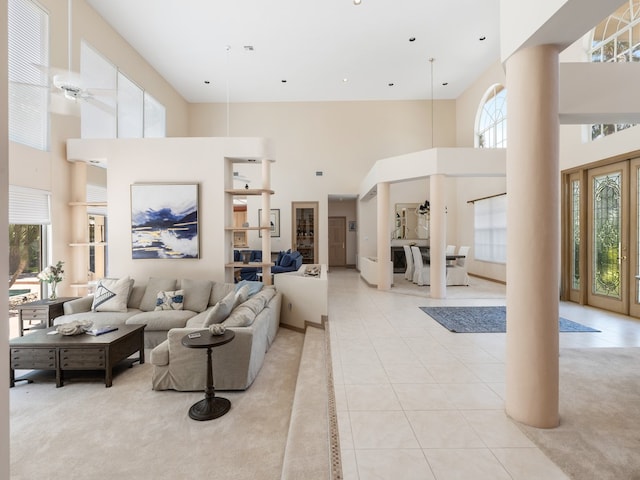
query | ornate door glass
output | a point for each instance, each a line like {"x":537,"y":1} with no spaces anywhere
{"x":575,"y":234}
{"x":607,"y":234}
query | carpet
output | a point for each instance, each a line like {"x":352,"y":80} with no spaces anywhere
{"x":598,"y":437}
{"x":85,"y":431}
{"x":485,"y":320}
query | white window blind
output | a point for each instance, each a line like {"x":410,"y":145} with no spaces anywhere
{"x":28,"y":46}
{"x":154,"y":117}
{"x":96,"y":193}
{"x":28,"y":206}
{"x":130,"y":106}
{"x":98,"y":119}
{"x":490,"y":229}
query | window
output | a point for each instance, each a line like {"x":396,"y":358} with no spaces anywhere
{"x":491,"y":120}
{"x":616,"y":39}
{"x":490,"y":229}
{"x":119,"y":108}
{"x":28,"y":232}
{"x":28,"y":48}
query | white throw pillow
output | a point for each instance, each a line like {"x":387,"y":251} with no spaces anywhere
{"x":170,"y":300}
{"x":112,"y":295}
{"x":221,"y":311}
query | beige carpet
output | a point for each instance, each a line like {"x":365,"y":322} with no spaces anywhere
{"x":86,"y":431}
{"x":599,"y":434}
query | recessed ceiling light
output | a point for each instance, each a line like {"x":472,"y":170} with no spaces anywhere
{"x":207,"y":82}
{"x":248,"y":48}
{"x":357,"y":2}
{"x":482,"y":38}
{"x":391,"y":84}
{"x":345,"y":80}
{"x":283,"y":81}
{"x":412,"y":39}
{"x":445,"y":84}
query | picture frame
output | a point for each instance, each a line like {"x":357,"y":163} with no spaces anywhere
{"x":352,"y":226}
{"x":274,"y":220}
{"x":164,"y":221}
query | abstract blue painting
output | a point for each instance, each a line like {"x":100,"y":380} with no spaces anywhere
{"x":164,"y":221}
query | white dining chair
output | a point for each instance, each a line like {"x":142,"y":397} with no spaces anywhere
{"x":408,"y":274}
{"x":451,"y":250}
{"x":457,"y":274}
{"x":421,"y":274}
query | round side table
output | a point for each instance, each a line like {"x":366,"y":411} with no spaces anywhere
{"x":211,"y":406}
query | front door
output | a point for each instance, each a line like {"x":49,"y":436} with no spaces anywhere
{"x":608,"y":242}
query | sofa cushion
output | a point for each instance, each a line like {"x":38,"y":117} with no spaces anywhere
{"x":155,"y":285}
{"x":279,"y":257}
{"x":196,"y":294}
{"x":254,"y":287}
{"x":221,"y":310}
{"x":287,"y":260}
{"x":170,"y":300}
{"x":242,"y":295}
{"x":161,"y":320}
{"x":219,"y":291}
{"x":112,"y":295}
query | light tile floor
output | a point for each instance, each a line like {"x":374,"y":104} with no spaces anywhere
{"x":415,"y":401}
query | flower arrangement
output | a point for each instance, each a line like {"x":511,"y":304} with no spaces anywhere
{"x":53,"y":274}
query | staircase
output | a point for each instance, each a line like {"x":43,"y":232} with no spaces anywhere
{"x":312,"y":449}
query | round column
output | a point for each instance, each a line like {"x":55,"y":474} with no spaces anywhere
{"x":437,"y":237}
{"x":533,"y":237}
{"x":384,"y":237}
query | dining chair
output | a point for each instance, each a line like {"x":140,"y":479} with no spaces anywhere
{"x":457,"y":274}
{"x":451,"y":250}
{"x":408,"y":274}
{"x":421,"y":274}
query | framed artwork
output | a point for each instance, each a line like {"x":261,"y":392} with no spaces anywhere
{"x":164,"y":220}
{"x":352,"y":226}
{"x":274,"y":222}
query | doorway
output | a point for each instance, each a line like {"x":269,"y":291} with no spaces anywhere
{"x":337,"y":241}
{"x":600,"y":237}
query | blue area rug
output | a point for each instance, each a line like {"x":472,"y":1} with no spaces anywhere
{"x":485,"y":320}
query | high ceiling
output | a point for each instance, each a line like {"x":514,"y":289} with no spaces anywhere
{"x":311,"y":50}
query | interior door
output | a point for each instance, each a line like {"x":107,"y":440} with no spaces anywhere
{"x":337,"y":241}
{"x":634,"y":240}
{"x":608,"y":227}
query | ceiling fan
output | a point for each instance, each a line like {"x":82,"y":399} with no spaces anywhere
{"x":68,"y":84}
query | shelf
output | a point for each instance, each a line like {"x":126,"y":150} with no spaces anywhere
{"x":88,"y":204}
{"x":249,"y":265}
{"x":251,"y":191}
{"x":245,"y":229}
{"x":89,"y":244}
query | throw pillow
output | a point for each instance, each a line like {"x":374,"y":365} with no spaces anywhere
{"x":242,"y":295}
{"x":287,"y":260}
{"x":254,"y":287}
{"x":155,"y":285}
{"x":112,"y":294}
{"x":220,"y":311}
{"x":197,"y":294}
{"x":170,"y":300}
{"x":279,"y":258}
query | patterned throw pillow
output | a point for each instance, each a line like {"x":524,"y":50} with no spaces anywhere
{"x":112,"y":295}
{"x":170,"y":300}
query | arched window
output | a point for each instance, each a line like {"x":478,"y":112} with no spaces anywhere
{"x":616,"y":39}
{"x":491,"y":119}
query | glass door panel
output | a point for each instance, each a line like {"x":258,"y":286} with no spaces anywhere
{"x":634,"y":241}
{"x":576,"y":227}
{"x":608,"y":263}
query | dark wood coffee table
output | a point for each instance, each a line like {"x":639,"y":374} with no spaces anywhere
{"x":211,"y":406}
{"x":41,"y":351}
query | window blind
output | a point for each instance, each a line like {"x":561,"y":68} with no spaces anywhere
{"x":154,"y":117}
{"x":28,"y":206}
{"x":96,"y":193}
{"x":28,"y":47}
{"x":490,"y":229}
{"x":130,"y":108}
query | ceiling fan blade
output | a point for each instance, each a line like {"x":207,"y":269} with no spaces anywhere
{"x":101,"y":105}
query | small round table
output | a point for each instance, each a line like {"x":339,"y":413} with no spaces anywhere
{"x":211,"y":406}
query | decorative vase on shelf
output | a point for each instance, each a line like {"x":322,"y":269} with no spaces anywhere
{"x":54,"y":294}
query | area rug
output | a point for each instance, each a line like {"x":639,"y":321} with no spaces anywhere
{"x":598,"y":435}
{"x":485,"y":320}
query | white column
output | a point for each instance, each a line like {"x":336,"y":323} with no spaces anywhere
{"x":384,"y":237}
{"x":533,"y":234}
{"x":79,"y":227}
{"x":438,"y":237}
{"x":266,"y":218}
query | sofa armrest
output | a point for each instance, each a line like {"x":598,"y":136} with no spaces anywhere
{"x":78,"y":305}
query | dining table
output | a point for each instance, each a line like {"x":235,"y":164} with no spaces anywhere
{"x":451,"y":259}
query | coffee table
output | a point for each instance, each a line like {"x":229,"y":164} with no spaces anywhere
{"x":41,"y":351}
{"x":211,"y":406}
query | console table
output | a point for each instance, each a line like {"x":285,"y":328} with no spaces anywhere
{"x":41,"y":311}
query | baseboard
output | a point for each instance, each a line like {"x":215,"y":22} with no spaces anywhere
{"x":488,"y":279}
{"x":324,"y":319}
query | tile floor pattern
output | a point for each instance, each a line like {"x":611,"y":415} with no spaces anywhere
{"x":415,"y":401}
